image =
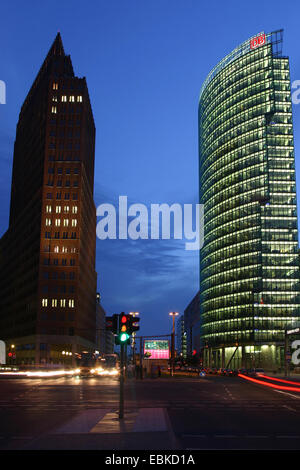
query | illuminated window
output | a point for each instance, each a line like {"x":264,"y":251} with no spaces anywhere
{"x":57,"y":222}
{"x":66,"y":222}
{"x":62,"y":302}
{"x":56,"y":249}
{"x":79,"y":99}
{"x":64,"y":99}
{"x":64,"y":249}
{"x":48,"y":209}
{"x":54,"y":98}
{"x":74,"y":210}
{"x":55,"y":86}
{"x":58,"y":209}
{"x":71,"y":303}
{"x":54,"y":302}
{"x":44,"y":302}
{"x":66,"y":209}
{"x":48,"y":222}
{"x":72,"y":99}
{"x":74,"y":222}
{"x":53,"y":109}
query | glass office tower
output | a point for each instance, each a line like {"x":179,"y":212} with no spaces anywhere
{"x":249,"y":263}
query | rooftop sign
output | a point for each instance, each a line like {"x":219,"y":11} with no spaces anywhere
{"x":257,"y":41}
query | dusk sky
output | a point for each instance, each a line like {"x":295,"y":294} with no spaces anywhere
{"x":144,"y":62}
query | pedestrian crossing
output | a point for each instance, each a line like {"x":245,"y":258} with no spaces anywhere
{"x":103,"y":421}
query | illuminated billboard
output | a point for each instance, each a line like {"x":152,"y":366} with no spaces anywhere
{"x":156,"y":349}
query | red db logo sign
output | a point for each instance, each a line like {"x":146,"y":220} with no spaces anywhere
{"x":257,"y":41}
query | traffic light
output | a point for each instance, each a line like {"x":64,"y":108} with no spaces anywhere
{"x":124,"y":334}
{"x":111,"y":323}
{"x":126,"y":325}
{"x":133,"y":324}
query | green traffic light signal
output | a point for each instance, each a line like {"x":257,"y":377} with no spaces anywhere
{"x":124,"y":337}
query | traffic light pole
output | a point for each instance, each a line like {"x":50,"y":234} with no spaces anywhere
{"x":121,"y":407}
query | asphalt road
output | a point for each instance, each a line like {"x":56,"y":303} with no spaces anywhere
{"x":165,"y":413}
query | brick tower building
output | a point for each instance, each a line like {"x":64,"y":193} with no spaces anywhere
{"x":47,"y":255}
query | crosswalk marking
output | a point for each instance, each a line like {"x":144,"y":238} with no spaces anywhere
{"x":111,"y":423}
{"x":82,"y":423}
{"x":103,"y":421}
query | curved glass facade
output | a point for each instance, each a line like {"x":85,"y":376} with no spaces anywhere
{"x":249,"y":266}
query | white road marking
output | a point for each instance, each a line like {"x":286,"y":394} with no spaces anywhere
{"x":286,"y":393}
{"x":288,"y":408}
{"x":82,"y":423}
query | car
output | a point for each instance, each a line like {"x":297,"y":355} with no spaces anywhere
{"x":255,"y":372}
{"x":259,"y":372}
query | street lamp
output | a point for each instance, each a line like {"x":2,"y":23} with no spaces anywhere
{"x":173,"y":315}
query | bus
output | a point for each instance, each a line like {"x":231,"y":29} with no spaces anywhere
{"x":92,"y":364}
{"x":111,"y":361}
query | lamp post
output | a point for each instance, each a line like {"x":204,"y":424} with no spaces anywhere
{"x":173,"y":315}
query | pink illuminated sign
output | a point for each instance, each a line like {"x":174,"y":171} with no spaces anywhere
{"x":156,"y":349}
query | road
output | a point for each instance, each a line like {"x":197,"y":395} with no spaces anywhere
{"x":163,"y":413}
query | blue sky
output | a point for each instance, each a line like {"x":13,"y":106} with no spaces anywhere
{"x":144,"y":63}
